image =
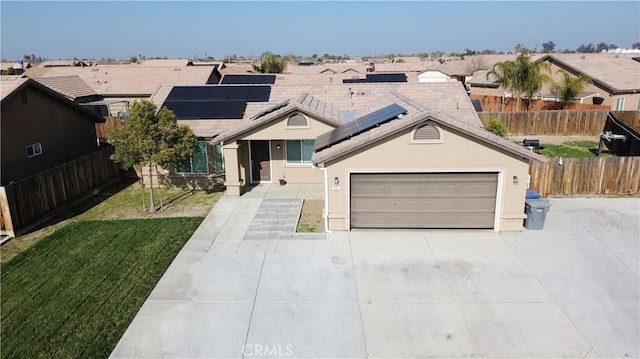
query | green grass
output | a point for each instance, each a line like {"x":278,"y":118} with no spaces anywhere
{"x":122,"y":200}
{"x":74,"y":293}
{"x":573,"y":149}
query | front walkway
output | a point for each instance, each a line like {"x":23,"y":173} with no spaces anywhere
{"x":570,"y":290}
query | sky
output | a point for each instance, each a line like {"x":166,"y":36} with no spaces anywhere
{"x":121,"y":29}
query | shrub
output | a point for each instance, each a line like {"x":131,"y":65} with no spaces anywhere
{"x":496,"y":127}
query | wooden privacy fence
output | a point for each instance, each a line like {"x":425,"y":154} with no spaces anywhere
{"x":496,"y":103}
{"x":103,"y":130}
{"x":28,"y":200}
{"x":629,"y":118}
{"x":618,"y":176}
{"x":550,"y":122}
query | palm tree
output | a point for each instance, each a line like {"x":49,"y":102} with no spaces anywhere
{"x":570,"y":87}
{"x":521,"y":77}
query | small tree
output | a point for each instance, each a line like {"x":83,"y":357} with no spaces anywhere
{"x":151,"y":137}
{"x":569,"y":87}
{"x":271,"y":63}
{"x":496,"y":127}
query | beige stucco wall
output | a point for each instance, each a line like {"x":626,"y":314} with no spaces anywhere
{"x":457,"y":152}
{"x":277,"y":132}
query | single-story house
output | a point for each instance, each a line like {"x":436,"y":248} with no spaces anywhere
{"x":416,"y":156}
{"x":614,"y":78}
{"x":41,"y":128}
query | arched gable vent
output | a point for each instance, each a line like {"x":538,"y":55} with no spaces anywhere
{"x":427,"y":132}
{"x":297,"y":120}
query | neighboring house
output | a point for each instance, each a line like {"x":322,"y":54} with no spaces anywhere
{"x":389,"y":155}
{"x":72,"y":87}
{"x":41,"y":129}
{"x":120,"y":85}
{"x":614,"y":78}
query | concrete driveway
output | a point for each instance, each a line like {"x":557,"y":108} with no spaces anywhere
{"x":569,"y":291}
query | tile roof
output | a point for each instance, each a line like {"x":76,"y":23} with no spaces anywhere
{"x":397,"y":125}
{"x":167,"y":63}
{"x":129,"y":80}
{"x":614,"y":72}
{"x":617,"y":72}
{"x":305,"y":103}
{"x":70,"y":86}
{"x":237,"y":69}
{"x":9,"y":84}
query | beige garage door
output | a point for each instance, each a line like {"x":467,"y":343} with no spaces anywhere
{"x":423,"y":200}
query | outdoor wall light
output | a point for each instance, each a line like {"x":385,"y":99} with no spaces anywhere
{"x":336,"y":181}
{"x":515,"y":180}
{"x":278,"y":146}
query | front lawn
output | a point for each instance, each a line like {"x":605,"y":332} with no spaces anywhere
{"x":74,"y":293}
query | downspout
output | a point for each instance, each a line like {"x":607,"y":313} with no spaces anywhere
{"x":325,"y":212}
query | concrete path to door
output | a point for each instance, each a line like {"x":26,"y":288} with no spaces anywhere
{"x":570,"y":290}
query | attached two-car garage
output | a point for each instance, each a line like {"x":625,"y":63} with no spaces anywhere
{"x":423,"y":200}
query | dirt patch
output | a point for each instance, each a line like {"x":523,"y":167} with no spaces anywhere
{"x":311,"y":217}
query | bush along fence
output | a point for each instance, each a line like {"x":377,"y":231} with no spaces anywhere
{"x":589,"y":123}
{"x":24,"y":202}
{"x":616,"y":176}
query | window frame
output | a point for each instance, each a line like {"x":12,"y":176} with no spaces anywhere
{"x":620,"y":104}
{"x":33,"y":147}
{"x":302,"y":159}
{"x":191,"y":172}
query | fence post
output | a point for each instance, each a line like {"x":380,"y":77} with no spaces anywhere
{"x":5,"y":213}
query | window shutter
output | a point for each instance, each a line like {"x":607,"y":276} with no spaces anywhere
{"x":297,"y":120}
{"x":427,"y":132}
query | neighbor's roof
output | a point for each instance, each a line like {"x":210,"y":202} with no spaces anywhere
{"x":236,"y":69}
{"x":394,"y":126}
{"x":70,"y":86}
{"x":10,"y":85}
{"x":167,"y":62}
{"x":615,"y":72}
{"x":129,"y":80}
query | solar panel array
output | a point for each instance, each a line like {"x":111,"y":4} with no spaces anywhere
{"x":214,"y":102}
{"x":375,"y":78}
{"x":358,"y":126}
{"x":248,"y":80}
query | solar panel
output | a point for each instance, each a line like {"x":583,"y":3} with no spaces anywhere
{"x":386,"y":77}
{"x":358,"y":126}
{"x":249,"y":80}
{"x":233,"y":109}
{"x":199,"y":93}
{"x":354,"y":81}
{"x":178,"y":93}
{"x":190,"y":109}
{"x":211,"y":109}
{"x":173,"y":105}
{"x":259,"y":93}
{"x":477,"y":105}
{"x":214,"y":102}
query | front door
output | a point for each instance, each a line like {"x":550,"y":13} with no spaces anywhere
{"x":260,"y":162}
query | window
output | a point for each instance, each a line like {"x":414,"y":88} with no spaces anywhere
{"x":427,"y":133}
{"x":620,"y":104}
{"x":299,"y":151}
{"x":297,"y":120}
{"x":219,"y":158}
{"x":34,"y":150}
{"x":198,"y":163}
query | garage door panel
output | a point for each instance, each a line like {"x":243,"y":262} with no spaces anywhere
{"x":423,"y":200}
